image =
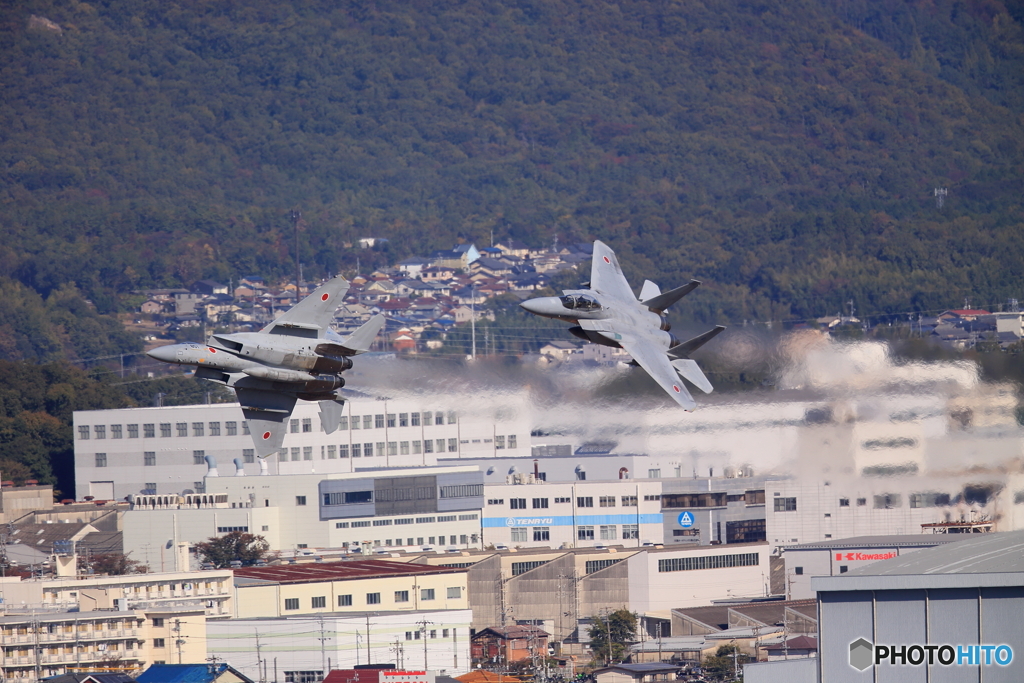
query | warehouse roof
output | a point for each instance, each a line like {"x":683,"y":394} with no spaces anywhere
{"x":992,"y":559}
{"x":335,"y":571}
{"x":901,"y":540}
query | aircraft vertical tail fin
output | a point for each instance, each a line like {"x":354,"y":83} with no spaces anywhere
{"x":361,"y":340}
{"x":330,"y":414}
{"x":649,"y":291}
{"x":689,"y":371}
{"x":660,"y":302}
{"x":687,"y":347}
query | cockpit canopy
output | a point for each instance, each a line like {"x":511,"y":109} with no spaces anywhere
{"x":579,"y":302}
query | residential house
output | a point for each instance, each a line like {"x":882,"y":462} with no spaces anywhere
{"x":380,"y":290}
{"x":559,"y":350}
{"x":403,"y":340}
{"x":209,"y":287}
{"x":437,"y":273}
{"x":193,"y":673}
{"x":636,"y":673}
{"x":413,"y":266}
{"x":464,"y":314}
{"x":513,"y":247}
{"x":152,"y":307}
{"x":509,"y":643}
{"x":962,"y":314}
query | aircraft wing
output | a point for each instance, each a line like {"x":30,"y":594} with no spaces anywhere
{"x":267,"y":415}
{"x":606,"y":276}
{"x":312,"y":316}
{"x":657,"y":364}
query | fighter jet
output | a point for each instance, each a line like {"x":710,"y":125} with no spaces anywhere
{"x":295,"y":357}
{"x":608,"y":313}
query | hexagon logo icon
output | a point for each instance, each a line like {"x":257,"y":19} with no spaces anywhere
{"x":861,"y":654}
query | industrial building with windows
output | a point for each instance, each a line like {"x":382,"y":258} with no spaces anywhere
{"x":298,"y":513}
{"x":163,"y":450}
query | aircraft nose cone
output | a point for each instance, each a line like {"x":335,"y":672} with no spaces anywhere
{"x":539,"y":306}
{"x":167,"y":354}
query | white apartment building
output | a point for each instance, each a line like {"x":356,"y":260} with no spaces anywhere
{"x":537,"y":514}
{"x":299,"y":513}
{"x":164,"y":450}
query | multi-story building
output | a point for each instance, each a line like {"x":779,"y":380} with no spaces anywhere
{"x":580,"y":514}
{"x":164,"y":450}
{"x":347,"y":587}
{"x":298,"y":513}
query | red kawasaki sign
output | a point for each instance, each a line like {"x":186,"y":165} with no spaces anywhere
{"x":853,"y":557}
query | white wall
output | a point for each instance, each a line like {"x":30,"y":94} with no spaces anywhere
{"x":294,"y":643}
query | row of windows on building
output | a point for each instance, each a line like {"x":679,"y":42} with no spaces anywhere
{"x":149,"y":430}
{"x":426,"y":595}
{"x":682,"y":564}
{"x":883,"y":501}
{"x":605,"y":532}
{"x":364,"y":523}
{"x":295,"y":426}
{"x":708,"y":500}
{"x":404,"y":493}
{"x":453,"y":539}
{"x":581,"y":502}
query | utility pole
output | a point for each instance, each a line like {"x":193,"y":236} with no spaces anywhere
{"x":296,"y":215}
{"x":399,"y":654}
{"x":368,"y":638}
{"x":323,"y":640}
{"x":259,"y":658}
{"x":178,"y":640}
{"x":472,"y":309}
{"x":423,"y":630}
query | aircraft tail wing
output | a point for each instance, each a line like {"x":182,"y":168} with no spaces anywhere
{"x":649,"y":291}
{"x":653,"y":359}
{"x":687,"y":347}
{"x":691,"y":372}
{"x":662,"y":301}
{"x":266,"y":414}
{"x":361,"y":340}
{"x":606,"y":276}
{"x":312,"y":316}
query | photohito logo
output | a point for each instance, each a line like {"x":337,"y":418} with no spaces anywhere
{"x":864,"y":654}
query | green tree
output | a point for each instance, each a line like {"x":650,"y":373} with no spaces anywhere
{"x":611,"y":636}
{"x":723,"y":666}
{"x":236,"y":545}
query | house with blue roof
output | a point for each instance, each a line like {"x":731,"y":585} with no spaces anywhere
{"x":219,"y":672}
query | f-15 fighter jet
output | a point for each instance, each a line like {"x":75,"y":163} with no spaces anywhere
{"x":296,"y":356}
{"x":608,"y":313}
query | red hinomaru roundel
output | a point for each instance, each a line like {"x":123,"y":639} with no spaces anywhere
{"x":266,"y":435}
{"x":607,"y":260}
{"x":325,"y":296}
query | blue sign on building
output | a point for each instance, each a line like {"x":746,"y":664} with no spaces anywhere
{"x":686,"y":519}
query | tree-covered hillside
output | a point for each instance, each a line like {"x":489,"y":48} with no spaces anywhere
{"x":784,"y":153}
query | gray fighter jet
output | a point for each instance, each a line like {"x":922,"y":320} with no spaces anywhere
{"x":608,"y":313}
{"x":296,"y":356}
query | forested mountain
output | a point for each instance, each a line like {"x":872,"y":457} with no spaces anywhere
{"x":784,"y":153}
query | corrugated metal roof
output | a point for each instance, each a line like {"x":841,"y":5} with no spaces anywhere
{"x":903,"y":540}
{"x":976,"y":554}
{"x":337,"y":571}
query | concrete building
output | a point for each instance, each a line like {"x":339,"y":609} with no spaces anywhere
{"x":585,"y":513}
{"x":16,"y":501}
{"x":964,"y":598}
{"x":560,"y":589}
{"x":163,"y":450}
{"x":838,"y":556}
{"x":714,"y":510}
{"x":301,"y":513}
{"x":39,"y":643}
{"x":304,"y":648}
{"x":350,"y":586}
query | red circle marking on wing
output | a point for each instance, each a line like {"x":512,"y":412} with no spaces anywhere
{"x":675,"y":388}
{"x":211,"y":350}
{"x":325,"y":297}
{"x":607,"y":260}
{"x":266,"y":435}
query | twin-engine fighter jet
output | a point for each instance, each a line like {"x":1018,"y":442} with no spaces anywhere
{"x":296,"y":356}
{"x":608,"y":313}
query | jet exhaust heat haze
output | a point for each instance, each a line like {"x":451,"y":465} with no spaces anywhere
{"x":608,"y":313}
{"x":297,"y":356}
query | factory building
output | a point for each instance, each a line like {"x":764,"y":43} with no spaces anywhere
{"x":949,"y":613}
{"x":301,"y":513}
{"x":163,"y":450}
{"x":838,"y":556}
{"x":529,"y":513}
